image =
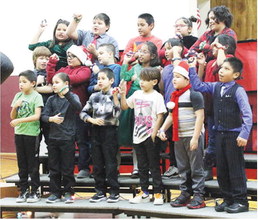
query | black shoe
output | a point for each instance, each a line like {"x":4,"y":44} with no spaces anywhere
{"x":237,"y":207}
{"x":181,"y":200}
{"x":135,"y":174}
{"x":197,"y":202}
{"x":98,"y":197}
{"x":34,"y":197}
{"x":221,"y":207}
{"x":113,"y":198}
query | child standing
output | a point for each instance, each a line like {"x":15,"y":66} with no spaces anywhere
{"x":173,"y":52}
{"x":106,"y":58}
{"x":145,"y":26}
{"x":79,"y":75}
{"x":148,"y":57}
{"x":149,"y":108}
{"x":58,"y":45}
{"x":187,"y":117}
{"x":25,"y":114}
{"x":40,"y":58}
{"x":97,"y":36}
{"x":224,"y":46}
{"x":102,"y":111}
{"x":232,"y":123}
{"x":60,"y":113}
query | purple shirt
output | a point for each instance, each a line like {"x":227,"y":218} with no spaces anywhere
{"x":241,"y":99}
{"x":167,"y":76}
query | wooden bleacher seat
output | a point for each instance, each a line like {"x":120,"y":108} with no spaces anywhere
{"x":144,"y":209}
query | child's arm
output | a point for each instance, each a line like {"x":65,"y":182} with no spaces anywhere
{"x":157,"y":126}
{"x":44,"y":89}
{"x":202,"y":63}
{"x":71,"y":29}
{"x":221,"y":53}
{"x":122,"y":88}
{"x":73,"y":100}
{"x":31,"y":118}
{"x":51,"y":67}
{"x":126,"y":75}
{"x":45,"y":116}
{"x":167,"y":123}
{"x":41,"y":29}
{"x":246,"y":112}
{"x":197,"y":129}
{"x":116,"y":71}
{"x":13,"y":113}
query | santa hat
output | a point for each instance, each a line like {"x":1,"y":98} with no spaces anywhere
{"x":81,"y":53}
{"x":182,"y":69}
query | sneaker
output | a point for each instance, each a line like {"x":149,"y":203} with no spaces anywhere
{"x":113,"y":198}
{"x":53,"y":198}
{"x":34,"y":197}
{"x":68,"y":198}
{"x":237,"y":207}
{"x":135,"y":174}
{"x":98,"y":197}
{"x":181,"y":200}
{"x":222,"y":207}
{"x":140,"y":198}
{"x":197,"y":202}
{"x":171,"y":171}
{"x":158,"y":199}
{"x":83,"y":174}
{"x":24,"y":195}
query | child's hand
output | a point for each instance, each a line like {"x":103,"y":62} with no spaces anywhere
{"x":98,"y":121}
{"x":64,"y":90}
{"x":92,"y":48}
{"x":176,"y":51}
{"x":134,"y":77}
{"x":43,"y":25}
{"x":18,"y":103}
{"x":95,"y":68}
{"x":201,"y":58}
{"x":115,"y":91}
{"x":15,"y":122}
{"x":192,"y":61}
{"x":40,"y":80}
{"x":218,"y":45}
{"x":77,"y":17}
{"x":241,"y":142}
{"x":128,"y":56}
{"x":57,"y":119}
{"x":123,"y":87}
{"x":54,"y":57}
{"x":193,"y":144}
{"x":162,"y":135}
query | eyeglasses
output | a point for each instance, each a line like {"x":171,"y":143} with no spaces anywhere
{"x":70,"y":56}
{"x":180,"y":25}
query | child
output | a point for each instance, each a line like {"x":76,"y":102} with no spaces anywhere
{"x":106,"y":58}
{"x":60,"y":43}
{"x":40,"y":57}
{"x":97,"y":36}
{"x":149,"y":108}
{"x":223,"y":46}
{"x":145,"y":26}
{"x":173,"y":52}
{"x":25,"y":114}
{"x":60,"y":113}
{"x":148,"y":57}
{"x":187,"y":117}
{"x":79,"y":75}
{"x":233,"y":122}
{"x":219,"y":20}
{"x":183,"y":28}
{"x":105,"y":111}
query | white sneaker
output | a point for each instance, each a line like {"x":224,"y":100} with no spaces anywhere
{"x":140,"y":198}
{"x":158,"y":199}
{"x":171,"y":171}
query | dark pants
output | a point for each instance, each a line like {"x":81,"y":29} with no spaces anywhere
{"x":148,"y":158}
{"x":83,"y":143}
{"x":61,"y":165}
{"x":231,"y":167}
{"x":172,"y":157}
{"x":44,"y":131}
{"x":28,"y":161}
{"x":190,"y":165}
{"x":104,"y":151}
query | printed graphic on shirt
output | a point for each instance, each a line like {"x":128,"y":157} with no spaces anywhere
{"x":137,"y":46}
{"x":143,"y":121}
{"x":24,"y":110}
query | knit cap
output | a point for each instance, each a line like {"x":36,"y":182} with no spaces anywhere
{"x":81,"y":53}
{"x":182,"y":69}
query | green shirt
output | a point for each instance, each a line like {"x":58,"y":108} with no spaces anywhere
{"x":29,"y":104}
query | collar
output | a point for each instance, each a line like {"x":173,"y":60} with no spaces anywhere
{"x":100,"y":36}
{"x":228,"y":84}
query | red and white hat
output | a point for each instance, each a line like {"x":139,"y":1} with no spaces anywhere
{"x":81,"y":53}
{"x":182,"y":69}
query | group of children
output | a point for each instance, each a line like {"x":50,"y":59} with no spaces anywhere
{"x":79,"y":94}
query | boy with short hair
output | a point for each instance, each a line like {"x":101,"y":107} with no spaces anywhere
{"x":233,"y":122}
{"x":102,"y":111}
{"x":187,"y":116}
{"x":145,"y":26}
{"x":149,"y":109}
{"x":25,"y":114}
{"x":106,"y":58}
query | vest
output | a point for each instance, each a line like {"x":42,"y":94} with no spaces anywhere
{"x":226,"y":111}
